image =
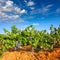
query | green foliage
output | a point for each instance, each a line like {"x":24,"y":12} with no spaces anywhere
{"x":30,"y":36}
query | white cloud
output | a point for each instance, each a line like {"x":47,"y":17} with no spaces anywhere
{"x":32,"y":8}
{"x":30,"y":3}
{"x":13,"y":16}
{"x":4,"y":16}
{"x":25,"y":1}
{"x":23,"y":11}
{"x":48,"y":6}
{"x":9,"y":10}
{"x":36,"y":24}
{"x":58,"y":10}
{"x":9,"y":3}
{"x":42,"y":18}
{"x":44,"y":10}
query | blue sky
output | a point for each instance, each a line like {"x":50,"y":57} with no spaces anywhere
{"x":22,"y":13}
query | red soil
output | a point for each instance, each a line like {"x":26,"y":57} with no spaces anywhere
{"x":28,"y":55}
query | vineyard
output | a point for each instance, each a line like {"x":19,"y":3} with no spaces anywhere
{"x":16,"y":39}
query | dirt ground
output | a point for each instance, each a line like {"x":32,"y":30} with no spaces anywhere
{"x":28,"y":55}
